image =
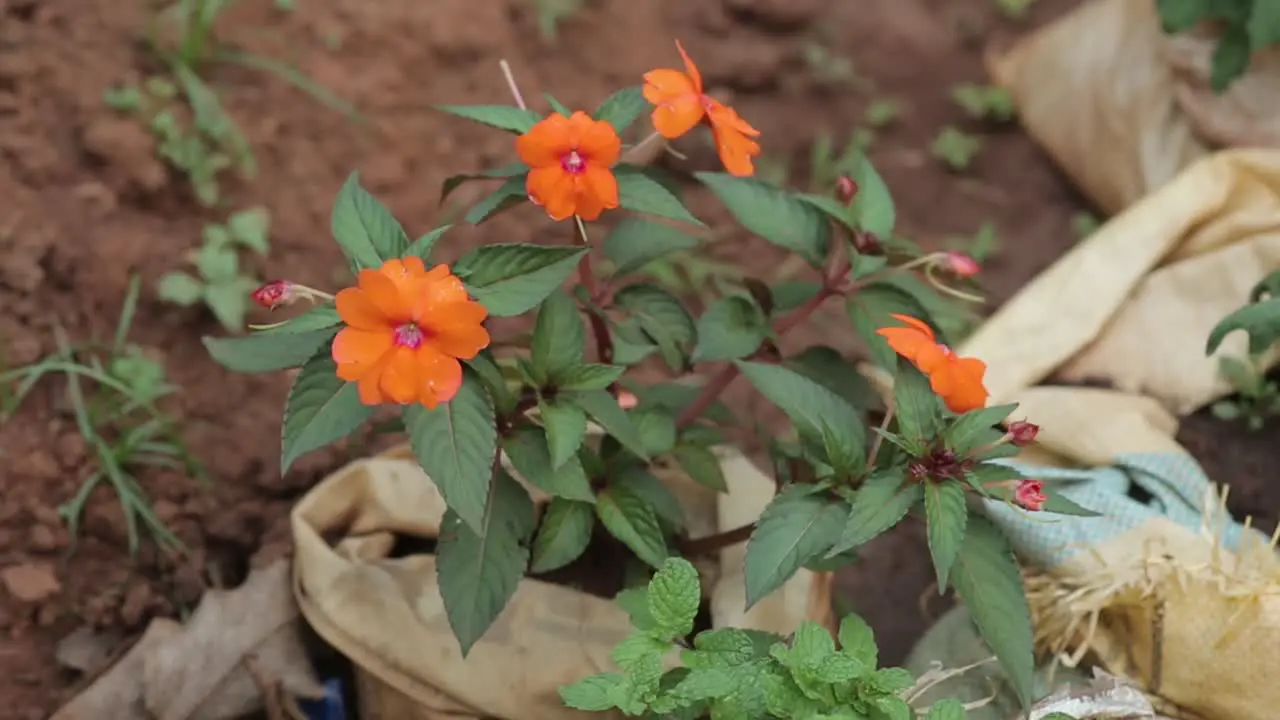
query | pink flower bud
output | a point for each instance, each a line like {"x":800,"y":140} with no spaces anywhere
{"x":1023,"y":433}
{"x":627,"y":399}
{"x":275,"y":294}
{"x":1029,"y":495}
{"x":867,"y":244}
{"x":846,"y":189}
{"x":961,"y":265}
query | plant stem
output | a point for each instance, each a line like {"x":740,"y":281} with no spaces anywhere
{"x":721,"y":380}
{"x":719,"y":541}
{"x":879,"y":439}
{"x":587,"y":276}
{"x":511,"y":83}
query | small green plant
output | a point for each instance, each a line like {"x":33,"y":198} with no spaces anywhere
{"x":210,"y":142}
{"x":830,"y":68}
{"x":1257,"y":397}
{"x":1246,"y":27}
{"x":219,"y":281}
{"x":734,"y":673}
{"x":1084,"y":224}
{"x":553,"y":12}
{"x":981,"y":245}
{"x":955,"y":148}
{"x":1014,"y":9}
{"x":881,"y":113}
{"x":984,"y":102}
{"x":119,"y":420}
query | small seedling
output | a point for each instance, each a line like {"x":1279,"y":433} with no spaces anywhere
{"x":1257,"y":398}
{"x":881,"y":113}
{"x":118,"y":419}
{"x":955,"y":148}
{"x":984,"y":102}
{"x":553,"y":12}
{"x":980,"y":246}
{"x":219,"y":281}
{"x":1084,"y":224}
{"x":829,"y":68}
{"x":1014,"y":9}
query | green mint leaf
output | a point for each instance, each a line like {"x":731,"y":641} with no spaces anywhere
{"x":594,"y":694}
{"x":858,"y":641}
{"x":674,"y":595}
{"x":948,"y":709}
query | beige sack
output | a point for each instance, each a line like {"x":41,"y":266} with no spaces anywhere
{"x":1122,"y":107}
{"x":1163,"y":604}
{"x":387,"y":616}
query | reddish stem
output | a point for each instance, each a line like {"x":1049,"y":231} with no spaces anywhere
{"x":719,"y":541}
{"x":587,"y":276}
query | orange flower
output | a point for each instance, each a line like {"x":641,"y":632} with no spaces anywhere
{"x":957,"y":380}
{"x":569,"y":160}
{"x":406,"y":329}
{"x":681,"y":105}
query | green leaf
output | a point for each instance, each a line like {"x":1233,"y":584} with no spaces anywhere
{"x":634,"y":522}
{"x":456,"y":444}
{"x":872,"y":208}
{"x":674,"y":596}
{"x":987,"y":579}
{"x":1230,"y":57}
{"x":318,"y":317}
{"x":509,"y":194}
{"x":858,"y":640}
{"x":217,"y":262}
{"x":732,"y":327}
{"x":251,"y":228}
{"x":622,"y":108}
{"x":512,"y":279}
{"x":1179,"y":15}
{"x":663,"y":318}
{"x":635,"y":601}
{"x":563,"y":536}
{"x":639,"y":192}
{"x":975,"y":428}
{"x":321,"y":408}
{"x":479,"y":569}
{"x":594,"y":694}
{"x":365,"y":229}
{"x":453,"y":182}
{"x":603,"y":408}
{"x":648,"y":487}
{"x":946,"y":517}
{"x":526,"y":447}
{"x":656,"y":428}
{"x":588,"y":376}
{"x":815,"y":411}
{"x":566,"y":426}
{"x":180,"y":288}
{"x":263,"y":353}
{"x":881,"y":502}
{"x":556,"y":105}
{"x":797,"y":526}
{"x":634,"y":242}
{"x":827,"y":367}
{"x":1063,"y":505}
{"x":773,"y":214}
{"x":503,"y":117}
{"x":1260,"y":320}
{"x":869,"y":310}
{"x":229,"y":300}
{"x":559,"y":336}
{"x":423,"y":246}
{"x":701,"y":465}
{"x":890,"y":707}
{"x":919,"y":412}
{"x":947,"y":709}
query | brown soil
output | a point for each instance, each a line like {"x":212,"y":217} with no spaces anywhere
{"x":88,"y":204}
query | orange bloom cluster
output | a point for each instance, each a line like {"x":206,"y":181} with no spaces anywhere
{"x":569,"y":161}
{"x":406,"y":329}
{"x":681,"y":105}
{"x":957,"y":380}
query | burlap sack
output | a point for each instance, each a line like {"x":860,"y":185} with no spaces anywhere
{"x":387,"y":616}
{"x":1167,"y":592}
{"x":1122,"y":107}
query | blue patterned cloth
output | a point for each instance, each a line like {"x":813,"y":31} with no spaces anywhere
{"x":1175,"y":483}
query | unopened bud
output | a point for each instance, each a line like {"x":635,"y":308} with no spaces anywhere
{"x":1023,"y":433}
{"x":918,"y":471}
{"x":867,"y":244}
{"x":275,"y":294}
{"x":627,"y":399}
{"x":960,"y":265}
{"x":1029,"y":495}
{"x":846,"y":189}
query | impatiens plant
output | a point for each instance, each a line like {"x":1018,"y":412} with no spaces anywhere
{"x":564,"y":412}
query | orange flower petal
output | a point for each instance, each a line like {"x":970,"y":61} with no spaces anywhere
{"x":357,"y":352}
{"x":907,"y":342}
{"x":546,"y":142}
{"x":385,"y":294}
{"x":402,"y":376}
{"x":438,"y":288}
{"x":367,"y":387}
{"x":663,"y":85}
{"x":459,"y":332}
{"x":690,"y":68}
{"x":597,"y":141}
{"x":356,"y":310}
{"x":553,"y":189}
{"x":597,"y":190}
{"x":736,"y":151}
{"x":677,"y":102}
{"x":441,"y":376}
{"x":920,"y":325}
